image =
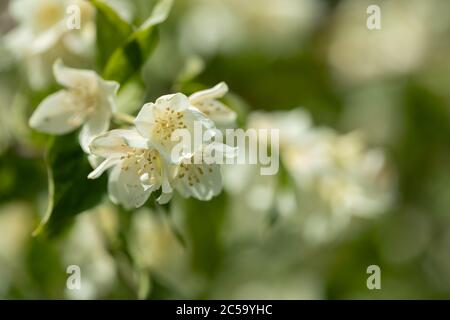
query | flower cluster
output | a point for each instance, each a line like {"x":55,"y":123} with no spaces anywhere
{"x":140,"y":158}
{"x":44,"y":32}
{"x":339,"y":168}
{"x":332,"y":177}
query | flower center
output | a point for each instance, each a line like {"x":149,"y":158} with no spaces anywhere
{"x":85,"y":101}
{"x":191,"y":172}
{"x":167,"y":122}
{"x":142,"y":161}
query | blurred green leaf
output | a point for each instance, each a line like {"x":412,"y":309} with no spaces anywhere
{"x":112,"y":31}
{"x":129,"y":58}
{"x":203,"y":229}
{"x":14,"y":170}
{"x":70,"y":192}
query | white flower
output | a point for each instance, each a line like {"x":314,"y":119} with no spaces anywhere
{"x":335,"y":177}
{"x":158,"y":121}
{"x":358,"y":54}
{"x":226,"y":26}
{"x":86,"y":246}
{"x":42,"y":34}
{"x":292,"y":124}
{"x":137,"y":169}
{"x":206,"y":101}
{"x":201,"y":181}
{"x":87,"y":101}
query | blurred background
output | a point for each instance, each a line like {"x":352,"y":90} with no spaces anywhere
{"x":365,"y":152}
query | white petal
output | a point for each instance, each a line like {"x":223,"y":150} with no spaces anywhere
{"x":18,"y":41}
{"x":97,"y":123}
{"x":110,"y":89}
{"x":105,"y":165}
{"x":94,"y":161}
{"x":218,"y":91}
{"x":220,"y":150}
{"x":164,"y":198}
{"x":125,"y":188}
{"x":70,"y":77}
{"x":22,"y":9}
{"x":47,"y":39}
{"x":218,"y":112}
{"x":57,"y":114}
{"x":166,"y":177}
{"x":193,"y":116}
{"x":145,"y":120}
{"x":177,"y":102}
{"x":113,"y":186}
{"x":116,"y":143}
{"x":209,"y":182}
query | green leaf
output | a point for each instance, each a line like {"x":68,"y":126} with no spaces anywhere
{"x":112,"y":31}
{"x":129,"y":58}
{"x":69,"y":190}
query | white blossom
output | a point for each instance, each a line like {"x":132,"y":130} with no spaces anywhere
{"x":226,"y":26}
{"x":86,"y":101}
{"x":137,"y":169}
{"x":42,"y":35}
{"x":207,"y":102}
{"x":198,"y":180}
{"x":332,"y":178}
{"x":158,"y":121}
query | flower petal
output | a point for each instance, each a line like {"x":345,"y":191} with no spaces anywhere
{"x":218,"y":112}
{"x":218,"y":91}
{"x":117,"y":143}
{"x":47,"y":39}
{"x":145,"y":120}
{"x":124,"y":187}
{"x":57,"y":114}
{"x":97,"y":123}
{"x":219,"y":151}
{"x":164,"y":198}
{"x":148,"y":126}
{"x":177,"y":102}
{"x":102,"y":167}
{"x":110,"y":89}
{"x":200,"y":181}
{"x":71,"y":77}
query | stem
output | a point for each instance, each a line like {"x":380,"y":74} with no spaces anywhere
{"x":124,"y":117}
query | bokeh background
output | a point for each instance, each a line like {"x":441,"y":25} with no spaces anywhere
{"x":365,"y":152}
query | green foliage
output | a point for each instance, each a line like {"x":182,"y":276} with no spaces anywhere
{"x":112,"y":31}
{"x":128,"y":58}
{"x":69,"y":190}
{"x":13,"y":171}
{"x":205,"y":221}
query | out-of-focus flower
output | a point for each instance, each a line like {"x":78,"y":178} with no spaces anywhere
{"x":359,"y":54}
{"x":334,"y":176}
{"x":211,"y":26}
{"x":346,"y":174}
{"x":137,"y":169}
{"x":43,"y":34}
{"x":158,"y":121}
{"x":154,"y":244}
{"x":86,"y":248}
{"x":207,"y":102}
{"x":88,"y":100}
